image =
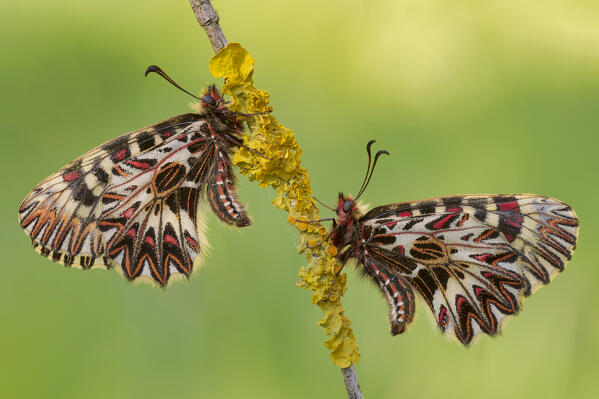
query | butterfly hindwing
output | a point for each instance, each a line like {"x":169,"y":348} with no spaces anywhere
{"x":472,"y":258}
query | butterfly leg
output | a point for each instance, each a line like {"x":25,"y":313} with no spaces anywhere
{"x":222,"y":195}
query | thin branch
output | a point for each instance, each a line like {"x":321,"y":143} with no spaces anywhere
{"x":351,"y":382}
{"x":209,"y":19}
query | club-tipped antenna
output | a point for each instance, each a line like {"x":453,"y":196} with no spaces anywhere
{"x":323,"y":204}
{"x":156,"y":69}
{"x":376,"y":158}
{"x":370,"y":143}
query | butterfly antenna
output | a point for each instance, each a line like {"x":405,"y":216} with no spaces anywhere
{"x":323,"y":204}
{"x":370,"y":143}
{"x":376,"y":158}
{"x":156,"y":69}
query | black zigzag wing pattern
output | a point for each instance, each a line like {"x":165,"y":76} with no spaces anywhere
{"x":471,"y":258}
{"x":132,"y":203}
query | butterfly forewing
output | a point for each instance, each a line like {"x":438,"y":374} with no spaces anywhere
{"x":472,"y":258}
{"x":132,"y":203}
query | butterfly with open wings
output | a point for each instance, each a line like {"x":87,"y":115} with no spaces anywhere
{"x":472,"y":258}
{"x":132,"y":203}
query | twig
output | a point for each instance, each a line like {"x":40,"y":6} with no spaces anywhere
{"x":209,"y":20}
{"x":351,"y":382}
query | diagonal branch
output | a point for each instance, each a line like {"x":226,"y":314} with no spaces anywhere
{"x":209,"y":20}
{"x":350,"y":378}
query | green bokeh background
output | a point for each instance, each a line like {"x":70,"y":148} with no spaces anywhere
{"x":495,"y":97}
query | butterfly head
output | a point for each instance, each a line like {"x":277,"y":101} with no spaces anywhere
{"x":208,"y":100}
{"x":346,"y":208}
{"x":349,"y":211}
{"x":213,"y":105}
{"x":211,"y":99}
{"x":344,"y":227}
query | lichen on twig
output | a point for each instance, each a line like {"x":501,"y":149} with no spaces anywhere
{"x":271,"y":156}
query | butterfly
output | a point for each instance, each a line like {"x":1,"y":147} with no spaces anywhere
{"x":133,"y":202}
{"x":472,"y":258}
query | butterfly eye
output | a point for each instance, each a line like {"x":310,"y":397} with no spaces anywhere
{"x":347,"y":206}
{"x":208,"y":99}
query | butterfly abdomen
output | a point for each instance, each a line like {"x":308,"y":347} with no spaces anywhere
{"x":222,"y":196}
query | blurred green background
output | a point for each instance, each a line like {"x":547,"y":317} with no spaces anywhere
{"x":467,"y":97}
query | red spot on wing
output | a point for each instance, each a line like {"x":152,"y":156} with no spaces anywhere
{"x":481,"y":258}
{"x":460,"y":303}
{"x":120,"y":155}
{"x":510,"y":237}
{"x":508,"y":206}
{"x":70,"y":176}
{"x":488,"y":275}
{"x":131,"y":233}
{"x":404,"y":214}
{"x":149,"y":240}
{"x":171,"y":240}
{"x":192,"y":243}
{"x":477,"y":291}
{"x":400,"y":249}
{"x":128,"y":212}
{"x":443,"y":319}
{"x":443,"y":222}
{"x":514,"y":222}
{"x":139,"y":165}
{"x":454,"y":209}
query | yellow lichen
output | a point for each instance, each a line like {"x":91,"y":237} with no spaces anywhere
{"x":331,"y":250}
{"x":272,"y":158}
